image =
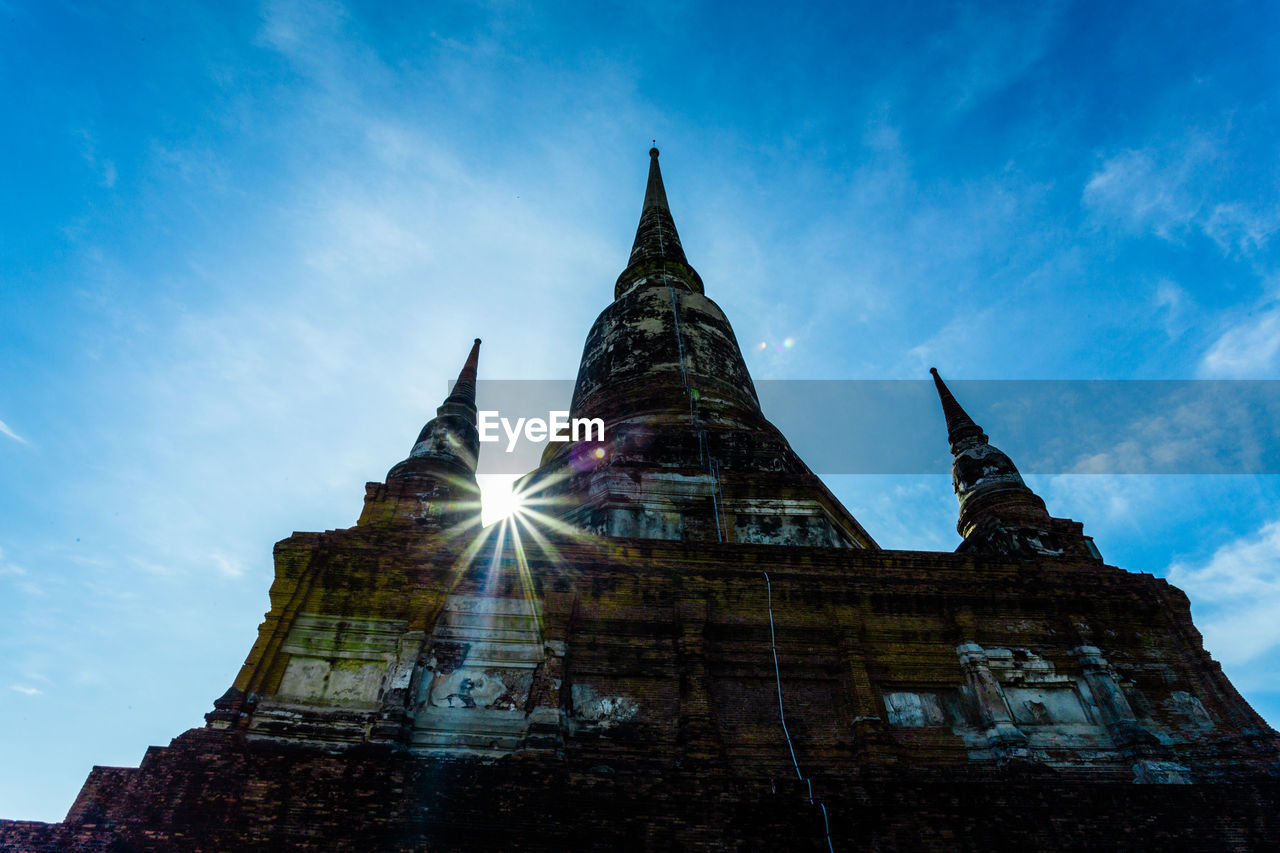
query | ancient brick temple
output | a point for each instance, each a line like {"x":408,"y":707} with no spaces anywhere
{"x":684,"y":641}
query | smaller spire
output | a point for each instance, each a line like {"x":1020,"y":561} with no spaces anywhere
{"x":960,"y":427}
{"x":435,"y":486}
{"x":978,"y":467}
{"x":450,"y":439}
{"x":998,"y":512}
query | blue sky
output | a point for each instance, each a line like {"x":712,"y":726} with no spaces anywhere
{"x":245,"y":246}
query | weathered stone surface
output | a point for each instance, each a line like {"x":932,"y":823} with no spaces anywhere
{"x":689,"y":455}
{"x":692,"y":645}
{"x":664,"y":728}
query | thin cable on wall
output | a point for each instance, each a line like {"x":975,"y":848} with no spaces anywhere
{"x":782,"y":714}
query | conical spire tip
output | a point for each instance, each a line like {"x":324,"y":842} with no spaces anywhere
{"x":466,"y":384}
{"x":959,"y":424}
{"x":656,"y":253}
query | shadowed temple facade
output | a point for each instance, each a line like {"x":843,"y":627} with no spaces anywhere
{"x":683,"y":641}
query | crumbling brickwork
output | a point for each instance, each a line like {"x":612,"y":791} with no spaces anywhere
{"x":687,"y":643}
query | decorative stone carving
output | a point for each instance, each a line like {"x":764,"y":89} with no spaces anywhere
{"x":992,"y":706}
{"x":477,"y":675}
{"x":1117,"y":714}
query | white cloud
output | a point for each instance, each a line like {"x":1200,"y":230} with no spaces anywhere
{"x":105,"y":167}
{"x":290,"y":27}
{"x":1173,"y":304}
{"x":8,"y":568}
{"x":1174,"y":190}
{"x":1235,"y":226}
{"x":26,"y":690}
{"x":985,"y":50}
{"x":1136,"y":191}
{"x":1238,"y":592}
{"x":1107,"y":502}
{"x":1248,"y":348}
{"x":5,"y":429}
{"x":914,"y":512}
{"x":151,"y":567}
{"x":227,"y":566}
{"x":950,"y":348}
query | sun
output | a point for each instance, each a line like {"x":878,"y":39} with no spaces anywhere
{"x":498,"y":500}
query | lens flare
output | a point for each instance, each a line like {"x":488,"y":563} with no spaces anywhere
{"x":498,"y":498}
{"x":588,"y":455}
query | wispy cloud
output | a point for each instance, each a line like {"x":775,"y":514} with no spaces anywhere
{"x":151,"y":567}
{"x":986,"y":50}
{"x":5,"y":429}
{"x":104,"y":167}
{"x":1173,"y":305}
{"x":19,"y":578}
{"x":1141,"y":190}
{"x":1239,"y":227}
{"x":8,"y":568}
{"x":1250,"y":347}
{"x":1107,"y":502}
{"x":26,"y":690}
{"x":1238,"y":593}
{"x":916,"y":512}
{"x":227,"y":566}
{"x":1176,"y":189}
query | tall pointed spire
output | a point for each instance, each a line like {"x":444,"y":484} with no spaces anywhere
{"x":464,"y":390}
{"x":960,"y":427}
{"x":656,"y":255}
{"x":688,"y":453}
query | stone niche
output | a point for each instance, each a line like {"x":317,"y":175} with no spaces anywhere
{"x":916,"y":710}
{"x":314,"y":680}
{"x":333,"y":680}
{"x":338,"y":660}
{"x":799,"y":523}
{"x":1011,"y":699}
{"x":476,"y":675}
{"x":1036,"y":693}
